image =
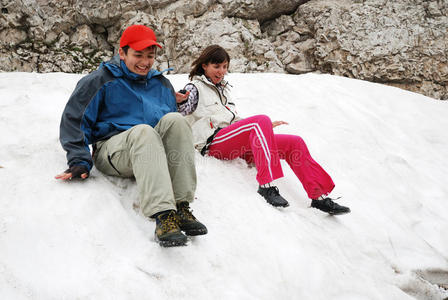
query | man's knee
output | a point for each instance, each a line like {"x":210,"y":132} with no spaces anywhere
{"x":174,"y":118}
{"x":174,"y":125}
{"x":142,"y":132}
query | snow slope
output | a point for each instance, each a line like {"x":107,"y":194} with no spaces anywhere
{"x":384,"y":147}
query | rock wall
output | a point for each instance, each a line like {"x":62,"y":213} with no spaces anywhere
{"x":402,"y":43}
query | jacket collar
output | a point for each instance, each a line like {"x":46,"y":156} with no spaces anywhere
{"x":206,"y":80}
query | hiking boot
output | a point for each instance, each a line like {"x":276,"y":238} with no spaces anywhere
{"x":187,"y":222}
{"x":329,"y":206}
{"x":272,"y":196}
{"x":167,"y":232}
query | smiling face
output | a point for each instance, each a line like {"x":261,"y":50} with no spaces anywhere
{"x":215,"y":71}
{"x":138,"y":62}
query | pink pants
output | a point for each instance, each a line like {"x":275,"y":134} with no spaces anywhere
{"x":254,"y":140}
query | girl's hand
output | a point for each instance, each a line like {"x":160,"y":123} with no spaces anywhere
{"x":277,"y":123}
{"x":182,"y":97}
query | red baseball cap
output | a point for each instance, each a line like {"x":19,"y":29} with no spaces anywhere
{"x":138,"y":37}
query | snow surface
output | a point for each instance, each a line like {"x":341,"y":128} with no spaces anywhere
{"x":385,"y":148}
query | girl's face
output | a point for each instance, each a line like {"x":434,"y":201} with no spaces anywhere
{"x":215,"y":72}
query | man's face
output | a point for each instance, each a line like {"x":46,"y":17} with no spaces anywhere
{"x":139,"y":62}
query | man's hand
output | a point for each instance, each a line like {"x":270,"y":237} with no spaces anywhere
{"x":278,"y":123}
{"x":182,"y":96}
{"x":74,"y":172}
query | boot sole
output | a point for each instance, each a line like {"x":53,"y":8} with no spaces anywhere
{"x":332,"y":212}
{"x":339,"y":213}
{"x":167,"y":244}
{"x":196,"y":232}
{"x":172,"y":243}
{"x":279,"y":205}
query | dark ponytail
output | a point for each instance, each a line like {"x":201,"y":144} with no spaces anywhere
{"x":214,"y":54}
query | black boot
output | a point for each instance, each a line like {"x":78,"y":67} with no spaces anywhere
{"x":187,"y":222}
{"x":329,"y":206}
{"x":272,"y":196}
{"x":167,"y":231}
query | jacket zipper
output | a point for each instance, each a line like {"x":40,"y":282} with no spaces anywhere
{"x":220,"y":100}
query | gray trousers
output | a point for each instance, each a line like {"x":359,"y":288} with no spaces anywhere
{"x":161,"y":159}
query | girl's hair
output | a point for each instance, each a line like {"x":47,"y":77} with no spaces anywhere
{"x":214,"y":54}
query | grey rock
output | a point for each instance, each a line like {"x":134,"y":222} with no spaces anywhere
{"x":261,"y":10}
{"x":83,"y":37}
{"x":401,"y":43}
{"x":11,"y":37}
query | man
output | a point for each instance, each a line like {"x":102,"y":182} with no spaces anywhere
{"x":128,"y":112}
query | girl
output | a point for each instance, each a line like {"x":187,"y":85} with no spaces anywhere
{"x":218,"y":131}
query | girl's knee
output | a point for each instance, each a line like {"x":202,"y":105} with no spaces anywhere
{"x":299,"y":140}
{"x":260,"y":119}
{"x":289,"y":143}
{"x":300,"y":145}
{"x":263,"y":119}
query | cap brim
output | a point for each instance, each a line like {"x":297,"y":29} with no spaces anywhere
{"x":140,"y":45}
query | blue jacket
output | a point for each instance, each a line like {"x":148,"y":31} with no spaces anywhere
{"x":108,"y":101}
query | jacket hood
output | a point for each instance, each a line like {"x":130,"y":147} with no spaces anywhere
{"x":119,"y":69}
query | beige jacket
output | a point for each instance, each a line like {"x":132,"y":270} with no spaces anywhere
{"x":215,"y":110}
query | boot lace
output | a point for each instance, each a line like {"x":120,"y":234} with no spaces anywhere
{"x":273,"y":190}
{"x":329,"y":203}
{"x":169,"y":222}
{"x":185,"y":213}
